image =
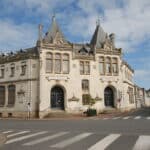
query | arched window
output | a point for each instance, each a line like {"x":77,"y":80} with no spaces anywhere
{"x":65,"y":65}
{"x":57,"y":63}
{"x":101,"y":65}
{"x":11,"y":95}
{"x":114,"y":65}
{"x":108,"y":65}
{"x":2,"y":95}
{"x":49,"y":62}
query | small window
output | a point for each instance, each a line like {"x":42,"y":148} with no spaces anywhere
{"x":49,"y":62}
{"x":2,"y":73}
{"x":108,"y":65}
{"x":65,"y":65}
{"x":84,"y":67}
{"x":101,"y":65}
{"x":57,"y":63}
{"x":23,"y":68}
{"x":11,"y":95}
{"x":114,"y":66}
{"x":2,"y":95}
{"x":131,"y":96}
{"x":85,"y":85}
{"x":12,"y":70}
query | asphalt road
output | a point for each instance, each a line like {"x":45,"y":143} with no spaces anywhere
{"x":127,"y":132}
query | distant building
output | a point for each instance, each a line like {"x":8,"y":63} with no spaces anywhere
{"x":57,"y":75}
{"x":147,"y":98}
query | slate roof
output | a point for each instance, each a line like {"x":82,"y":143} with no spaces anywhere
{"x":98,"y":38}
{"x":53,"y":30}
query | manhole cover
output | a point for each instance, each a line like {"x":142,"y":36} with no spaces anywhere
{"x":3,"y":138}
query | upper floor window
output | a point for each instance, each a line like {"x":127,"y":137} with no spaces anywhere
{"x":12,"y":70}
{"x":114,"y":66}
{"x":11,"y":95}
{"x":101,"y":65}
{"x":49,"y":62}
{"x":131,"y":96}
{"x":2,"y":72}
{"x":57,"y":63}
{"x":84,"y":67}
{"x":85,"y":85}
{"x":2,"y":95}
{"x":23,"y":68}
{"x":108,"y":65}
{"x":65,"y":65}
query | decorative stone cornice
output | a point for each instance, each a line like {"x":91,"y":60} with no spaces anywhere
{"x":30,"y":53}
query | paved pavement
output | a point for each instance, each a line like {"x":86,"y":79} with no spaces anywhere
{"x":123,"y":132}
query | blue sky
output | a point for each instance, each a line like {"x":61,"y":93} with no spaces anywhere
{"x":128,"y":19}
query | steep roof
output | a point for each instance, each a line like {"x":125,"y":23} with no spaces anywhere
{"x":53,"y":31}
{"x":98,"y":37}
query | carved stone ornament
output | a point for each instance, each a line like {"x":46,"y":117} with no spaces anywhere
{"x":21,"y":92}
{"x":98,"y":98}
{"x":73,"y":99}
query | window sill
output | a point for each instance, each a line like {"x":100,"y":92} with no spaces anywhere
{"x":10,"y":105}
{"x":22,"y":74}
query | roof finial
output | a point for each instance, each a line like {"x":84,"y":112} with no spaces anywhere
{"x":98,"y":22}
{"x":53,"y":17}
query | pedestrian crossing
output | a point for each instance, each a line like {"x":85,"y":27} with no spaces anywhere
{"x":29,"y":138}
{"x":118,"y":118}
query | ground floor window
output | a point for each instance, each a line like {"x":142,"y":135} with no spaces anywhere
{"x":11,"y":95}
{"x":131,"y":96}
{"x":2,"y":95}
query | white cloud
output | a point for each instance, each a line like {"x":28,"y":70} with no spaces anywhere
{"x":16,"y":36}
{"x":142,"y":77}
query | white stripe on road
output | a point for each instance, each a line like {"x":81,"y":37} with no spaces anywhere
{"x":105,"y":118}
{"x":104,"y":143}
{"x":125,"y":118}
{"x":137,"y":117}
{"x":25,"y":137}
{"x":14,"y":134}
{"x":45,"y":139}
{"x":148,"y":118}
{"x":5,"y":132}
{"x":143,"y":143}
{"x":71,"y":140}
{"x":115,"y":118}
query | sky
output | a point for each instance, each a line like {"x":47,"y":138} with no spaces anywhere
{"x":128,"y":19}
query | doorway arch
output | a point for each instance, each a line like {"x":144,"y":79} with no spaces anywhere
{"x":57,"y":97}
{"x":109,"y":97}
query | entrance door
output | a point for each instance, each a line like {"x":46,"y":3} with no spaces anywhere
{"x":57,"y":98}
{"x":109,"y":97}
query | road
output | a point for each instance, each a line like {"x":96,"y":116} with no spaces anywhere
{"x":127,"y":132}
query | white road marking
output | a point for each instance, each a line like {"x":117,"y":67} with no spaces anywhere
{"x":5,"y":132}
{"x":105,"y":142}
{"x":125,"y":118}
{"x":71,"y":140}
{"x":14,"y":134}
{"x":115,"y":118}
{"x":25,"y":137}
{"x":105,"y":118}
{"x":45,"y":139}
{"x":148,"y":118}
{"x":137,"y":117}
{"x":143,"y":143}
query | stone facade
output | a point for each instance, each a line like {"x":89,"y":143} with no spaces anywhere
{"x":60,"y":75}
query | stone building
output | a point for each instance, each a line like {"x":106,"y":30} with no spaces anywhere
{"x":57,"y":75}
